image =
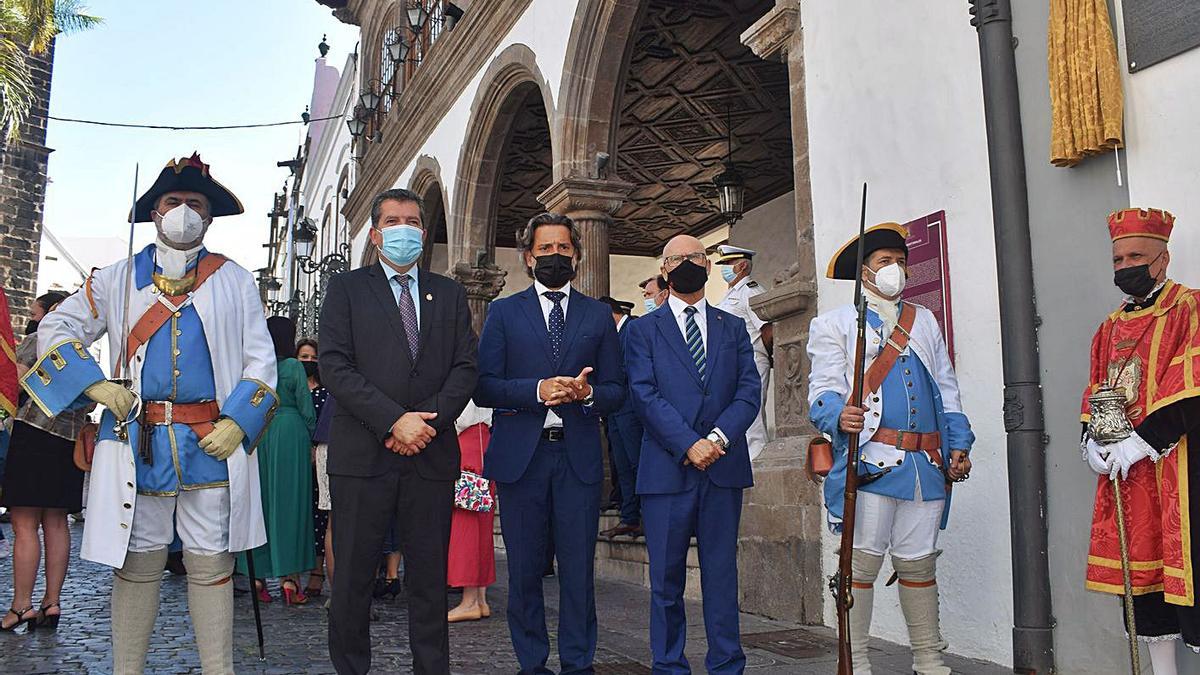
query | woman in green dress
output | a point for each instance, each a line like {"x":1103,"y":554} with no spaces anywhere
{"x":285,"y":474}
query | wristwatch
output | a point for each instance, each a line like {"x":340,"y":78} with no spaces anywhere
{"x":590,"y":399}
{"x":716,"y":438}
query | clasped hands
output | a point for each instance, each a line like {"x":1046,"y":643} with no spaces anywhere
{"x":1115,"y":459}
{"x":555,"y":391}
{"x":703,"y":453}
{"x":411,"y":433}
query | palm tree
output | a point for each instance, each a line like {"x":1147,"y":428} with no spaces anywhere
{"x":27,"y":28}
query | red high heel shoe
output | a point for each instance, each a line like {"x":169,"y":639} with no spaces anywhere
{"x":292,"y":595}
{"x":261,"y":589}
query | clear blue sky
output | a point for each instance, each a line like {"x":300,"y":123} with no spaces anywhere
{"x":185,"y":63}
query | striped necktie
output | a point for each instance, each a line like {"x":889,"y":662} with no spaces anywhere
{"x":695,"y":342}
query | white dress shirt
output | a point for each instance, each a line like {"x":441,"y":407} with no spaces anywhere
{"x":553,"y":421}
{"x":677,"y":306}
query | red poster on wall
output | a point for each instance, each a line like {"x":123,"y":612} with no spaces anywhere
{"x":929,"y":271}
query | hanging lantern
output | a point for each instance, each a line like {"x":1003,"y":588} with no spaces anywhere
{"x":731,"y":192}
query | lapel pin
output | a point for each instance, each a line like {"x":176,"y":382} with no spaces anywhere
{"x":429,"y":296}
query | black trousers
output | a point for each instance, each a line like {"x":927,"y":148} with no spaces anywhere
{"x":362,"y":510}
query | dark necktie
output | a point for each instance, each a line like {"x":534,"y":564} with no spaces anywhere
{"x":408,"y":314}
{"x":694,"y":342}
{"x":558,"y":322}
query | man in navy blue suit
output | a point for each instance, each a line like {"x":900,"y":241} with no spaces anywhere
{"x":538,"y":351}
{"x":694,"y":384}
{"x":624,"y":442}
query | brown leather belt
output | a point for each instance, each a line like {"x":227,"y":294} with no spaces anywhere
{"x":169,"y":412}
{"x":909,"y":441}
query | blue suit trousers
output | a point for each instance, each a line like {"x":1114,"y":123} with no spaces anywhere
{"x":625,"y":437}
{"x":549,"y":499}
{"x":712,"y":514}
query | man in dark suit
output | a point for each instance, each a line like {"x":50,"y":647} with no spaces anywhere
{"x":624,"y":432}
{"x":399,"y":355}
{"x":694,"y":384}
{"x":550,"y":367}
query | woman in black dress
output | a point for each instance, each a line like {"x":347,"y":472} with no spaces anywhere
{"x":41,"y":486}
{"x":306,"y":354}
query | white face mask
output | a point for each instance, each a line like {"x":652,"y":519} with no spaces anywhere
{"x":890,"y":280}
{"x":181,"y":225}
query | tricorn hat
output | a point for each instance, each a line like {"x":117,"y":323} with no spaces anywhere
{"x":187,"y":174}
{"x":884,"y":235}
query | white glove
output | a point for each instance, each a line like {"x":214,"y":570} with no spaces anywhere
{"x":113,"y":396}
{"x":1100,"y":457}
{"x":1128,"y":452}
{"x":225,"y":437}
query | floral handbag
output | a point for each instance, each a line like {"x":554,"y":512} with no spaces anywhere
{"x":472,"y":492}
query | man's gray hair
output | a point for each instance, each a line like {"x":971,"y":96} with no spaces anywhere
{"x":525,"y":236}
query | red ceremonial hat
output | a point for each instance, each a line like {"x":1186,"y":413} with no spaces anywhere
{"x":1153,"y":223}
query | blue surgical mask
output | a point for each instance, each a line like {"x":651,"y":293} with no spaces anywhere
{"x":402,"y":244}
{"x":727,"y":273}
{"x":650,"y":306}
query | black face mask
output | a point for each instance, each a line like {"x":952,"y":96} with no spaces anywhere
{"x":31,"y":327}
{"x":554,"y":270}
{"x":310,"y":368}
{"x":1135,"y":281}
{"x":688,"y":277}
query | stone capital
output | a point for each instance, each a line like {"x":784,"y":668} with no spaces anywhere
{"x":769,"y":36}
{"x":586,"y":197}
{"x":482,"y":282}
{"x":788,"y":299}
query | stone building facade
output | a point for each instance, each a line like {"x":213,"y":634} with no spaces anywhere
{"x":617,"y":113}
{"x":23,"y":170}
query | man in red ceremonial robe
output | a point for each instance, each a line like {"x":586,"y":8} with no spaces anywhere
{"x":1150,"y":349}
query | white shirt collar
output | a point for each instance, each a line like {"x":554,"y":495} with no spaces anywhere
{"x":391,"y":271}
{"x":677,"y":306}
{"x":539,"y":288}
{"x":622,"y":322}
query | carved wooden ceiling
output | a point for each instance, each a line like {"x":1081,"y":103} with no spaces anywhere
{"x":687,"y":69}
{"x":526,"y":171}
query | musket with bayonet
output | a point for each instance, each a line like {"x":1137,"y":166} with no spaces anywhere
{"x":841,"y":583}
{"x":122,"y":374}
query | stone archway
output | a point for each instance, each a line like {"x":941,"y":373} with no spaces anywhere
{"x":510,"y":84}
{"x":427,"y":183}
{"x":648,"y":87}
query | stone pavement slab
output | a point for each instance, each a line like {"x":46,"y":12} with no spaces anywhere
{"x":296,"y":636}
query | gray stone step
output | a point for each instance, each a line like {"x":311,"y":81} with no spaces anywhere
{"x":626,"y":559}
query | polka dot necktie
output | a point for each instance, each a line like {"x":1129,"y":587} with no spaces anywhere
{"x":408,"y":314}
{"x":694,"y":342}
{"x":558,"y":322}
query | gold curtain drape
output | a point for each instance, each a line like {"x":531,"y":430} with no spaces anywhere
{"x":1086,"y":103}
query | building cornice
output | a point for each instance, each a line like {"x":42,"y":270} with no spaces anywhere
{"x":768,"y":38}
{"x":440,"y":80}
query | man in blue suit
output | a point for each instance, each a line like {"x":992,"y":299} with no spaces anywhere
{"x":538,"y":350}
{"x":694,"y":384}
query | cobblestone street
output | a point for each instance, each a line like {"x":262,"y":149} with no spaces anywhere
{"x":296,"y":637}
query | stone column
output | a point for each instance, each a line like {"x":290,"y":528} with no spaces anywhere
{"x":783,"y":516}
{"x":590,"y":202}
{"x":483,"y":283}
{"x":23,"y":165}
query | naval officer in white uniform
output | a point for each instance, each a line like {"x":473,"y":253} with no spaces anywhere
{"x":736,"y":264}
